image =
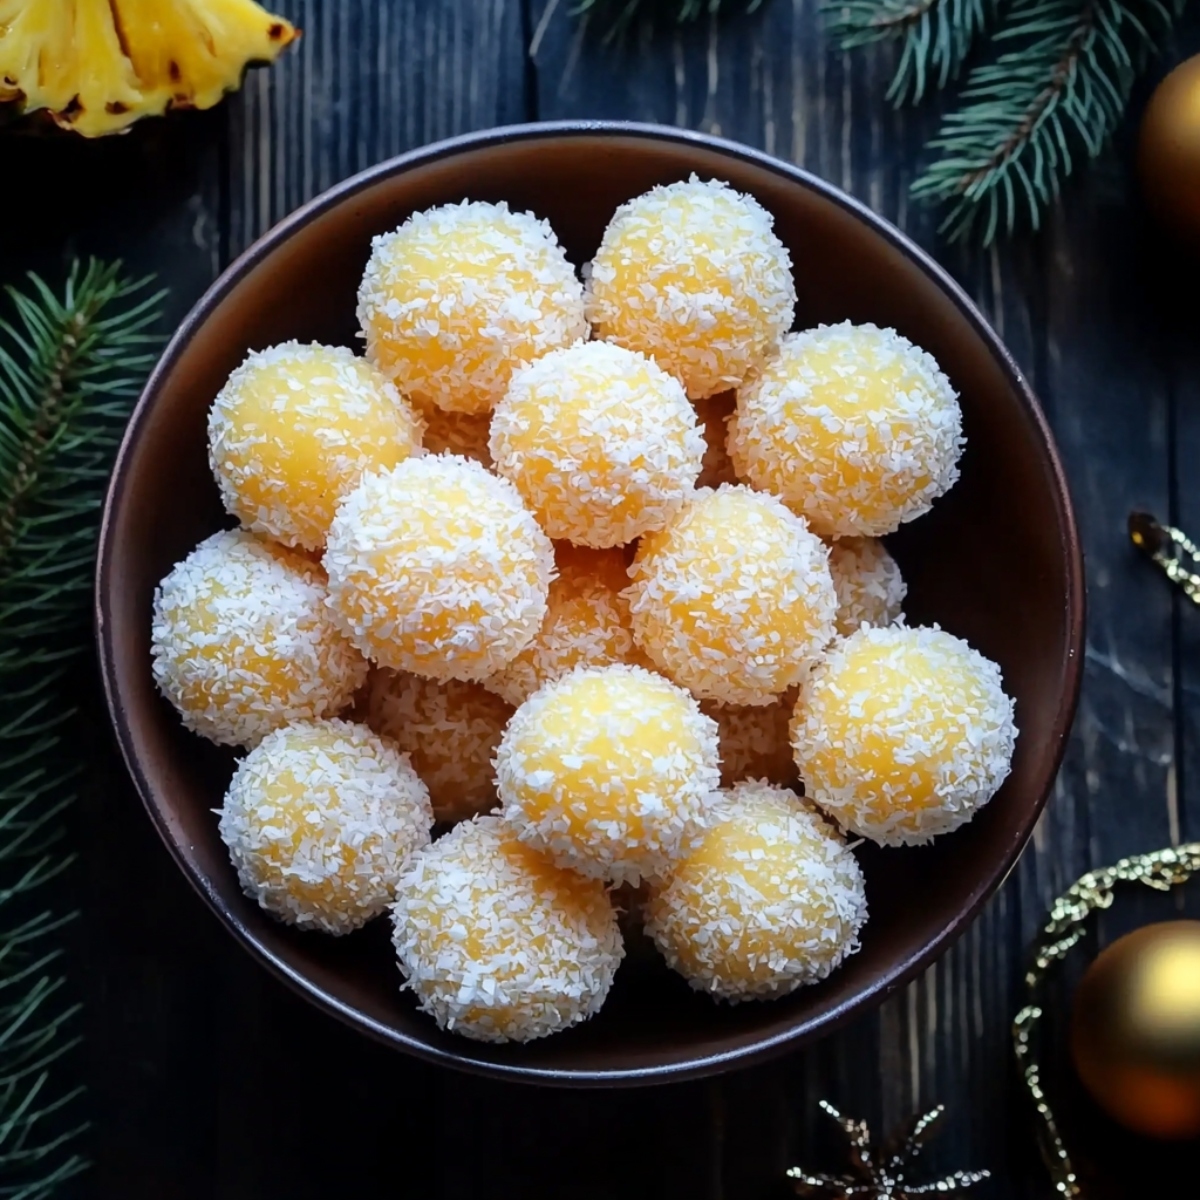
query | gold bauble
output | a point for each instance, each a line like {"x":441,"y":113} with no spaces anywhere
{"x":1135,"y":1030}
{"x":1169,"y":151}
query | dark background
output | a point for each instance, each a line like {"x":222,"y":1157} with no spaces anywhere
{"x":208,"y":1078}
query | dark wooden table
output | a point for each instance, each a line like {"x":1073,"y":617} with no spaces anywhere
{"x":208,"y":1078}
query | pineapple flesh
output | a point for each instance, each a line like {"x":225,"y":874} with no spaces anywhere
{"x":97,"y":66}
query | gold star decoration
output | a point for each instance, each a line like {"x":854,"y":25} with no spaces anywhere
{"x":881,"y":1173}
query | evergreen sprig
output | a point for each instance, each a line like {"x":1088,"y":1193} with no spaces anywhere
{"x":1028,"y":117}
{"x":935,"y":37}
{"x":70,"y":367}
{"x":1051,"y":95}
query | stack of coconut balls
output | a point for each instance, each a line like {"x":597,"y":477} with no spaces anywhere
{"x":530,"y":570}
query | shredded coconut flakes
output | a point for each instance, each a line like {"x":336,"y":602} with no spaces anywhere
{"x":242,"y":641}
{"x":498,"y":946}
{"x":437,"y":567}
{"x":869,"y":586}
{"x":602,"y":443}
{"x":334,"y":407}
{"x":889,"y":462}
{"x":693,"y":274}
{"x":450,"y":729}
{"x":771,"y":899}
{"x":459,"y":296}
{"x":610,"y":771}
{"x":319,"y":820}
{"x":903,"y":734}
{"x":733,"y":600}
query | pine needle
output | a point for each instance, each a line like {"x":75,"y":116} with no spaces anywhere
{"x":1051,"y":99}
{"x":936,"y":37}
{"x":70,"y":368}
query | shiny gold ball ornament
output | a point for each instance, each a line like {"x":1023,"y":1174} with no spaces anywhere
{"x":1135,"y":1030}
{"x":1169,"y":151}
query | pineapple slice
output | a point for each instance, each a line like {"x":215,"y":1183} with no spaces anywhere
{"x":96,"y":66}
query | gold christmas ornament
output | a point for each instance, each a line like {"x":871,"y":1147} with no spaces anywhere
{"x":1169,"y":151}
{"x":1064,"y":927}
{"x":1135,"y":1030}
{"x":883,"y":1173}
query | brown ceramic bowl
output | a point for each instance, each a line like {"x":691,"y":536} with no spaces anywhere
{"x":997,"y":561}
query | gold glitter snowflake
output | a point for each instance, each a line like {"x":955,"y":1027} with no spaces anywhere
{"x":882,"y":1173}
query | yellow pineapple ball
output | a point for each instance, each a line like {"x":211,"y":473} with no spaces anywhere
{"x":449,"y":729}
{"x":857,"y":429}
{"x":602,"y":443}
{"x":588,"y":624}
{"x":438,"y":568}
{"x":769,"y":901}
{"x":610,"y":771}
{"x":733,"y":600}
{"x":714,"y":414}
{"x":496,"y":943}
{"x":295,"y":428}
{"x":458,"y":297}
{"x":242,"y":640}
{"x":869,"y":586}
{"x":319,"y":820}
{"x":903,"y":734}
{"x":460,"y":433}
{"x":755,"y":742}
{"x":693,"y":275}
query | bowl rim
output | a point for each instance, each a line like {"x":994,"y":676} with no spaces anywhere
{"x":707,"y":1063}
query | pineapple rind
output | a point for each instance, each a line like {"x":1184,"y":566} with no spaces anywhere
{"x":97,"y":66}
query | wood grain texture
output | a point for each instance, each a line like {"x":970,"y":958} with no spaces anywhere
{"x":1075,"y":317}
{"x":209,"y":1078}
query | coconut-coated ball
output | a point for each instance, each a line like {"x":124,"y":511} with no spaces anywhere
{"x":733,"y":600}
{"x":714,"y":414}
{"x":587,"y":624}
{"x":694,"y":275}
{"x":458,"y":297}
{"x":460,"y":433}
{"x":755,"y":741}
{"x":770,"y":900}
{"x":319,"y":819}
{"x":294,"y":429}
{"x":450,"y":730}
{"x":610,"y":771}
{"x":602,"y":443}
{"x":903,"y":734}
{"x":870,"y":589}
{"x":497,"y":943}
{"x":242,"y":640}
{"x":437,"y":567}
{"x":857,"y":429}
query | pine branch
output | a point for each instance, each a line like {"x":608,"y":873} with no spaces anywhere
{"x":1034,"y":113}
{"x":936,"y":37}
{"x":70,"y":367}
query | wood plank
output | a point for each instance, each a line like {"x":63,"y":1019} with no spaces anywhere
{"x":462,"y":68}
{"x":367,"y":82}
{"x":1172,"y":313}
{"x":1064,"y":309}
{"x":370,"y":81}
{"x":205,"y":1072}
